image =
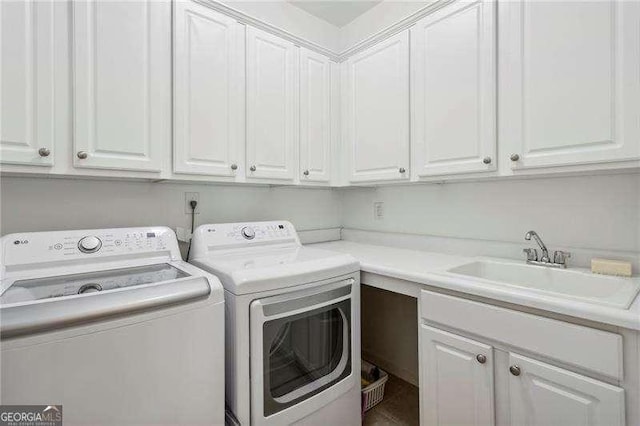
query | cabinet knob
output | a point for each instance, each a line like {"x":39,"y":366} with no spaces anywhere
{"x":514,"y":157}
{"x":234,"y":167}
{"x":486,"y":160}
{"x":401,"y":170}
{"x":306,"y":173}
{"x":252,"y":168}
{"x":481,"y":358}
{"x":82,"y":155}
{"x":44,"y":152}
{"x":515,"y":370}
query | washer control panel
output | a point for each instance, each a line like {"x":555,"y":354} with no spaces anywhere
{"x":245,"y":234}
{"x":38,"y":247}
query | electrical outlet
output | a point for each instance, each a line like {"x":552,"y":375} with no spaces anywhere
{"x":378,"y":210}
{"x":191,"y":196}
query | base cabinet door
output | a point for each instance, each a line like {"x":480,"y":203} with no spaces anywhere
{"x":453,"y":90}
{"x":122,"y":84}
{"x":569,"y":78}
{"x":208,"y":91}
{"x":26,"y":86}
{"x":542,"y":394}
{"x":376,"y":111}
{"x":457,"y":379}
{"x":272,"y":102}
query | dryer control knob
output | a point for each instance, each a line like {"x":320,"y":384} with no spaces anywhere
{"x":89,"y":244}
{"x":248,"y":233}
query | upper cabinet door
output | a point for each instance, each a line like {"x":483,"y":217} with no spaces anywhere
{"x":542,"y":394}
{"x":122,"y":83}
{"x":453,"y":90}
{"x":208,"y":91}
{"x":570,"y":92}
{"x":315,"y":117}
{"x":27,"y":86}
{"x":376,"y":111}
{"x":457,"y":379}
{"x":272,"y":94}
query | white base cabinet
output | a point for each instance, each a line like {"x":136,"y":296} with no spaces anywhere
{"x":519,"y":368}
{"x":457,"y":387}
{"x":542,"y":394}
{"x":457,"y":379}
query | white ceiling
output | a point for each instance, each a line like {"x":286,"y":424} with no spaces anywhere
{"x":336,"y":12}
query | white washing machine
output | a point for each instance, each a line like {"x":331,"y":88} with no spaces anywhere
{"x":113,"y":325}
{"x":293,"y":324}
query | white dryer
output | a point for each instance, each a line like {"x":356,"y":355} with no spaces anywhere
{"x":113,"y":325}
{"x":293,"y":324}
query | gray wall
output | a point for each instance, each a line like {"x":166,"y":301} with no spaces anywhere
{"x":38,"y":204}
{"x":591,"y":212}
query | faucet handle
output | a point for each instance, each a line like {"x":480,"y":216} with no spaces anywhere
{"x":532,"y":254}
{"x":560,"y":257}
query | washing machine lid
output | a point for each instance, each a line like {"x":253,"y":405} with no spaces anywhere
{"x":90,"y":282}
{"x":267,"y":268}
{"x":39,"y":304}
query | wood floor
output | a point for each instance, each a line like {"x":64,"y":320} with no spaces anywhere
{"x":400,"y":406}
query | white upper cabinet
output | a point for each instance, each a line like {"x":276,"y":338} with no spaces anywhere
{"x":376,"y":111}
{"x":122,"y":84}
{"x":453,"y":90}
{"x":457,"y":380}
{"x":208,"y":91}
{"x":272,"y":103}
{"x":570,"y":92}
{"x":315,"y":117}
{"x":542,"y":394}
{"x":26,"y":87}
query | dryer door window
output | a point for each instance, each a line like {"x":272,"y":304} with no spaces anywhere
{"x":304,"y":354}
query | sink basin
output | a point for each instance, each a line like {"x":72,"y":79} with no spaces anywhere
{"x":574,"y":284}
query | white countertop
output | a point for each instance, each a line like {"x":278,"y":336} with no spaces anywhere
{"x":429,"y":268}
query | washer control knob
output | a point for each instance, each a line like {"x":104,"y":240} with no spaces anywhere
{"x":89,"y":244}
{"x":248,"y":233}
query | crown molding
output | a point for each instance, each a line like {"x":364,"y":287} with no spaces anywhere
{"x":256,"y":23}
{"x":393,"y":29}
{"x":369,"y":41}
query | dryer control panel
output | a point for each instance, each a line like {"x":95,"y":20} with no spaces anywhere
{"x":245,"y":234}
{"x":39,"y":247}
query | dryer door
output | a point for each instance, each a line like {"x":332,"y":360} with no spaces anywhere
{"x":301,"y":347}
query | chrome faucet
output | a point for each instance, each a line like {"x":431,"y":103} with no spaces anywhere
{"x":536,"y":237}
{"x":559,"y":257}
